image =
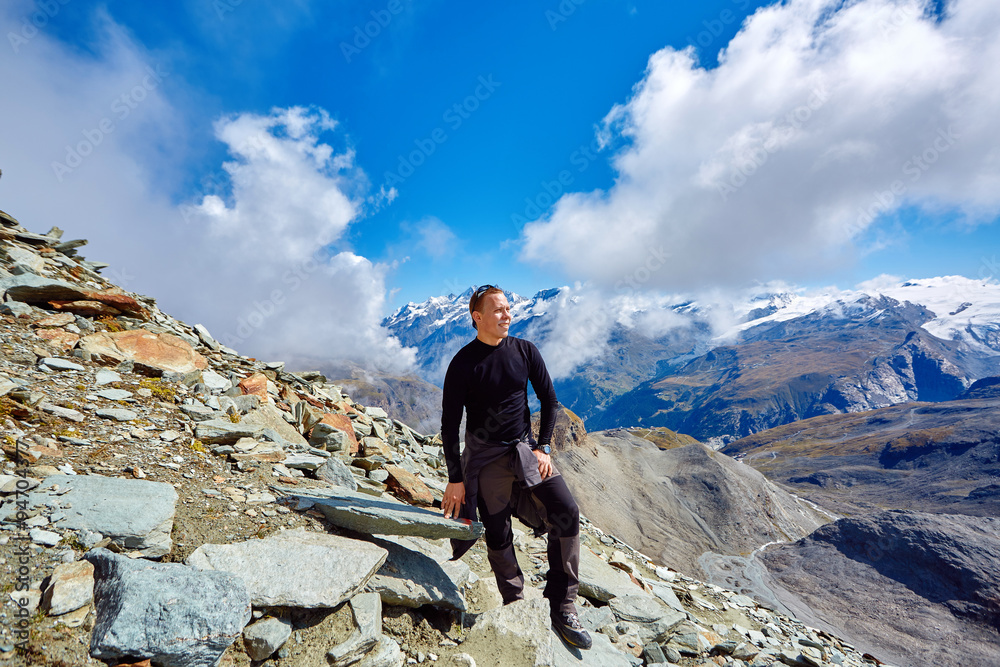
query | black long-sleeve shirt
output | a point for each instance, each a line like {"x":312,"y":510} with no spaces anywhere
{"x":491,"y":384}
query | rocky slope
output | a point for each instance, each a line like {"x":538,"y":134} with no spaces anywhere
{"x":918,"y":588}
{"x":935,"y":457}
{"x":166,"y":501}
{"x":679,"y":503}
{"x":409,"y":398}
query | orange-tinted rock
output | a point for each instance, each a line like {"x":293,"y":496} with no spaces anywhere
{"x":311,"y":401}
{"x":342,"y":423}
{"x":165,"y":352}
{"x":344,"y":406}
{"x":33,"y":453}
{"x":407,"y":486}
{"x":290,"y":396}
{"x":85,"y":308}
{"x":122,"y":302}
{"x":256,"y":384}
{"x":59,"y":337}
{"x":57,"y":320}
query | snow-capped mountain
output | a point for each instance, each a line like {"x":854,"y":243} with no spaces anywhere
{"x":440,"y":326}
{"x":610,"y":356}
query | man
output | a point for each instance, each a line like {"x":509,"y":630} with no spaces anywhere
{"x":503,"y":469}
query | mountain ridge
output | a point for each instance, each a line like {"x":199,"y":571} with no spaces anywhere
{"x":913,"y":352}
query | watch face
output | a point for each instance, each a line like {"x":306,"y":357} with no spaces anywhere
{"x":546,"y":449}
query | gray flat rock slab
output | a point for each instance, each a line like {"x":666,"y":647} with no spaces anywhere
{"x":523,"y":628}
{"x":105,"y":376}
{"x":600,"y":581}
{"x":336,"y":472}
{"x":303,"y":461}
{"x":59,"y":411}
{"x":666,"y":594}
{"x":366,"y":610}
{"x":602,"y":654}
{"x":268,"y":416}
{"x":111,"y":507}
{"x":266,"y":636}
{"x":117,"y":414}
{"x":44,"y":537}
{"x":417,"y":572}
{"x":199,"y":413}
{"x":114,"y":394}
{"x":31,"y":288}
{"x":383,"y":515}
{"x":386,"y":653}
{"x":214,"y":381}
{"x":225,"y":432}
{"x":654,"y":619}
{"x":295,"y":568}
{"x":61,"y":364}
{"x":176,"y":615}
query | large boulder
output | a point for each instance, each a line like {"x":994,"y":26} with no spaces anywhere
{"x":522,"y":628}
{"x":342,"y":423}
{"x":153,"y":351}
{"x":295,"y":568}
{"x":602,"y":582}
{"x":417,"y":572}
{"x":268,"y":416}
{"x":107,"y":505}
{"x":174,"y":615}
{"x":31,"y":288}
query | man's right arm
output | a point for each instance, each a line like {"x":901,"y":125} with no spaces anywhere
{"x":452,"y":404}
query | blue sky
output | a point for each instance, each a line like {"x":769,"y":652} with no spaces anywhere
{"x":396,"y":150}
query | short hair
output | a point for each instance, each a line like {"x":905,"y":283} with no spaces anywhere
{"x":477,"y":297}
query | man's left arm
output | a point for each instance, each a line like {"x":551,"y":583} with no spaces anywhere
{"x":541,"y":383}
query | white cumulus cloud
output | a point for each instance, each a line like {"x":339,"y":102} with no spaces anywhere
{"x":281,"y":288}
{"x":821,"y":117}
{"x":99,"y":143}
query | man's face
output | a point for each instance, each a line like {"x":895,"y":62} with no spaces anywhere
{"x":494,"y":316}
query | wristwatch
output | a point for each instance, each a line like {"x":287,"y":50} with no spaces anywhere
{"x":544,"y":449}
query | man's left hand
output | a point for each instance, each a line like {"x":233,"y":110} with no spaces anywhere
{"x":544,"y":463}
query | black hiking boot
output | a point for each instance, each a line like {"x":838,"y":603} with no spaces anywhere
{"x":568,"y":627}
